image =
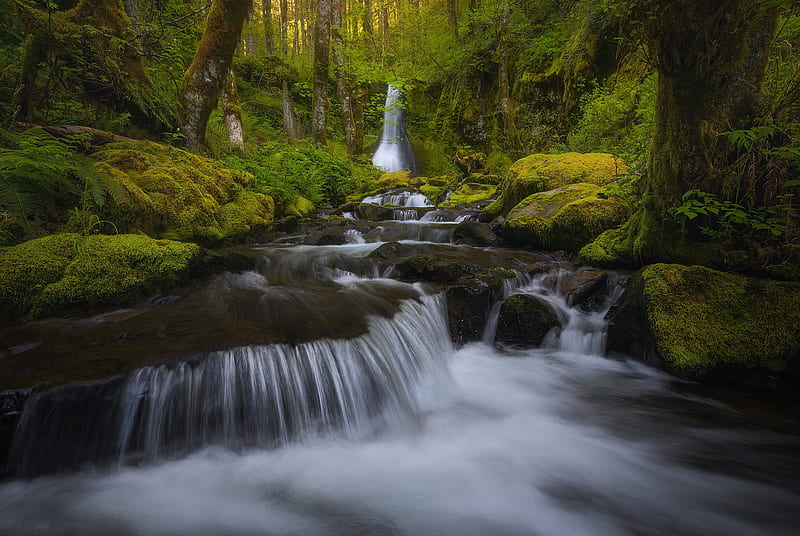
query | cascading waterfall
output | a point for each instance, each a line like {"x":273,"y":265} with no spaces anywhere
{"x":394,"y":151}
{"x":252,"y":396}
{"x":581,"y":332}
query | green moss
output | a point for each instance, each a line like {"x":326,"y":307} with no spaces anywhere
{"x":393,"y":179}
{"x":175,"y":194}
{"x":470,"y":193}
{"x":434,"y":187}
{"x":610,"y":249}
{"x":63,"y":271}
{"x":300,"y":207}
{"x":702,"y":318}
{"x":543,"y":172}
{"x":565,"y":218}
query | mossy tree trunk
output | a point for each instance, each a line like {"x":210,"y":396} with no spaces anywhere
{"x":232,"y":112}
{"x":344,"y":92}
{"x":203,"y":80}
{"x":269,"y":33}
{"x":97,"y":43}
{"x":319,"y":102}
{"x":711,"y":58}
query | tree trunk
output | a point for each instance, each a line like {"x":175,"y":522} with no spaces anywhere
{"x":134,"y":9}
{"x":285,"y":29}
{"x":289,"y":121}
{"x":506,"y":106}
{"x":319,"y":102}
{"x":452,"y":15}
{"x":203,"y":80}
{"x":366,"y":22}
{"x":711,"y":59}
{"x":343,"y":84}
{"x":232,"y":112}
{"x":269,"y":34}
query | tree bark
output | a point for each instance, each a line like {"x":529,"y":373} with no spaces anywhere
{"x":319,"y":102}
{"x":503,"y":60}
{"x":232,"y":112}
{"x":289,"y":120}
{"x":203,"y":80}
{"x":344,"y":92}
{"x":711,"y":59}
{"x":285,"y":29}
{"x":269,"y":33}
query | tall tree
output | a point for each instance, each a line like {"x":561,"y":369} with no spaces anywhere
{"x":319,"y":101}
{"x":711,"y":59}
{"x":269,"y":33}
{"x":232,"y":112}
{"x":202,"y":83}
{"x":344,"y":92}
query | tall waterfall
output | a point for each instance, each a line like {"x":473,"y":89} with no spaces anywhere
{"x":394,"y":151}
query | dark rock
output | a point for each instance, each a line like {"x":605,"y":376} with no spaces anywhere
{"x":586,"y":289}
{"x":326,"y":237}
{"x":467,"y":311}
{"x":368,"y":211}
{"x":11,"y":403}
{"x":525,"y":320}
{"x":289,"y":224}
{"x":473,"y":233}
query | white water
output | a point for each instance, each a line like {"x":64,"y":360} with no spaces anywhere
{"x":543,"y":443}
{"x":394,"y":151}
{"x":400,"y":199}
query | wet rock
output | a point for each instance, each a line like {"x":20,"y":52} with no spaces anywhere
{"x":332,"y":236}
{"x":474,"y":233}
{"x":525,"y":320}
{"x":586,"y":288}
{"x":368,"y":211}
{"x":467,"y":311}
{"x":11,"y":403}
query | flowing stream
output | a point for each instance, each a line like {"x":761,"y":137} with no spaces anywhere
{"x":368,"y":421}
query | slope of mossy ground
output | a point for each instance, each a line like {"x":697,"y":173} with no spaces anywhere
{"x":565,"y":218}
{"x":64,"y":271}
{"x":171,"y":193}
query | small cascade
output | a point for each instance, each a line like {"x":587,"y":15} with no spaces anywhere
{"x":580,"y":332}
{"x":403,"y":199}
{"x":251,"y":396}
{"x":394,"y":151}
{"x":405,"y":214}
{"x":354,"y":237}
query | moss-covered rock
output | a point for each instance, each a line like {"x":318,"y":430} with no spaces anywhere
{"x":299,"y":207}
{"x":565,"y":218}
{"x":694,"y":321}
{"x":64,"y":271}
{"x":470,"y":193}
{"x":171,"y":193}
{"x":433,"y":188}
{"x":543,"y":172}
{"x":525,"y":320}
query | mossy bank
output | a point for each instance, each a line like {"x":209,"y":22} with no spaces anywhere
{"x":66,"y":271}
{"x":696,"y":322}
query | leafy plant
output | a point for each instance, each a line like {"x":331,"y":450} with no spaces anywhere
{"x":726,"y":219}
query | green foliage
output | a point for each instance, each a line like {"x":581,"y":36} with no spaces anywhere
{"x":43,"y":177}
{"x":287,"y":172}
{"x":726,"y":219}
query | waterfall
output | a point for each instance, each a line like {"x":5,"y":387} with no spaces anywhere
{"x":252,"y":396}
{"x":394,"y":151}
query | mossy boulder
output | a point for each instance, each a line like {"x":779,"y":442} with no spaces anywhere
{"x":67,"y":271}
{"x":543,"y":172}
{"x":170,"y":193}
{"x":299,"y":207}
{"x":694,"y":321}
{"x":525,"y":320}
{"x":393,"y":179}
{"x":470,"y":193}
{"x":434,"y":187}
{"x":565,"y":218}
